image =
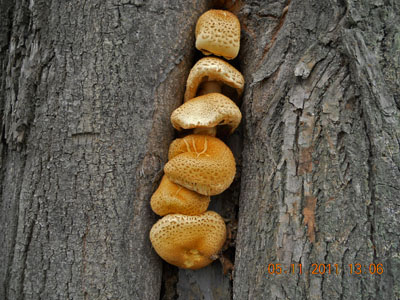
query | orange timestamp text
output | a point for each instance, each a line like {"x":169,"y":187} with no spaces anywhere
{"x":321,"y":269}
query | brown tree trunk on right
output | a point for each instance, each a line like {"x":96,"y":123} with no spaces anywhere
{"x":321,"y":159}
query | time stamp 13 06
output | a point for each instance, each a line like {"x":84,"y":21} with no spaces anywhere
{"x":325,"y":269}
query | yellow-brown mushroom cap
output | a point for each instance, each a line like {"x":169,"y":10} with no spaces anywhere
{"x":208,"y":110}
{"x":213,"y":69}
{"x":171,"y":198}
{"x":201,"y":163}
{"x":189,"y":242}
{"x":218,"y":32}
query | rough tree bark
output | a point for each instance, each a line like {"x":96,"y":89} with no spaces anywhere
{"x":321,"y":168}
{"x":87,"y":89}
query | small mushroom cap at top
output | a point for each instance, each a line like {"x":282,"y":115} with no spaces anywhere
{"x":213,"y":69}
{"x":171,"y":198}
{"x":207,"y":111}
{"x":201,"y":163}
{"x":189,"y":242}
{"x":218,"y":32}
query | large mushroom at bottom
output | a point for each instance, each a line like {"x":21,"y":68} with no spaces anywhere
{"x":189,"y":242}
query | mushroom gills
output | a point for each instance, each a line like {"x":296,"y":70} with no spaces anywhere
{"x":212,"y":74}
{"x":205,"y":52}
{"x":207,"y":114}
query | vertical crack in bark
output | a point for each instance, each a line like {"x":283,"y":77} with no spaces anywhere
{"x":11,"y":255}
{"x":28,"y":239}
{"x":21,"y":68}
{"x":169,"y":282}
{"x":17,"y":17}
{"x":6,"y":22}
{"x":371,"y":186}
{"x":209,"y":281}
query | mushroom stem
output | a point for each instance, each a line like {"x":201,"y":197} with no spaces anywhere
{"x":208,"y":87}
{"x":211,"y":131}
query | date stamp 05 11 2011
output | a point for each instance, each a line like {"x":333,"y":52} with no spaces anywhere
{"x":321,"y":269}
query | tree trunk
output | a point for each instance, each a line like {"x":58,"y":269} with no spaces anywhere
{"x":87,"y":89}
{"x":321,"y":161}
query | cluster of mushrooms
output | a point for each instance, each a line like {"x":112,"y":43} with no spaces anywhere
{"x":200,"y":165}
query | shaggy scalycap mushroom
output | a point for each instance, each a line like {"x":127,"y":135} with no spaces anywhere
{"x":189,"y":242}
{"x":171,"y":198}
{"x":218,"y":32}
{"x":214,"y":72}
{"x":207,"y":111}
{"x":201,"y":163}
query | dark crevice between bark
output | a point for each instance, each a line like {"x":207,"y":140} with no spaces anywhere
{"x":6,"y":15}
{"x":25,"y":251}
{"x":7,"y":278}
{"x":20,"y":32}
{"x":371,"y":206}
{"x":15,"y":131}
{"x":169,"y":282}
{"x":4,"y":155}
{"x":7,"y":9}
{"x":227,"y":203}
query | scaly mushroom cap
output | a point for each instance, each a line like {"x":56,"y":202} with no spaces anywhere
{"x":213,"y":69}
{"x":189,"y":242}
{"x":207,"y":111}
{"x":201,"y":163}
{"x":218,"y":32}
{"x":171,"y":198}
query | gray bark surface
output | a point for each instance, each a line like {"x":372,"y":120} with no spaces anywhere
{"x":87,"y":89}
{"x":321,"y":176}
